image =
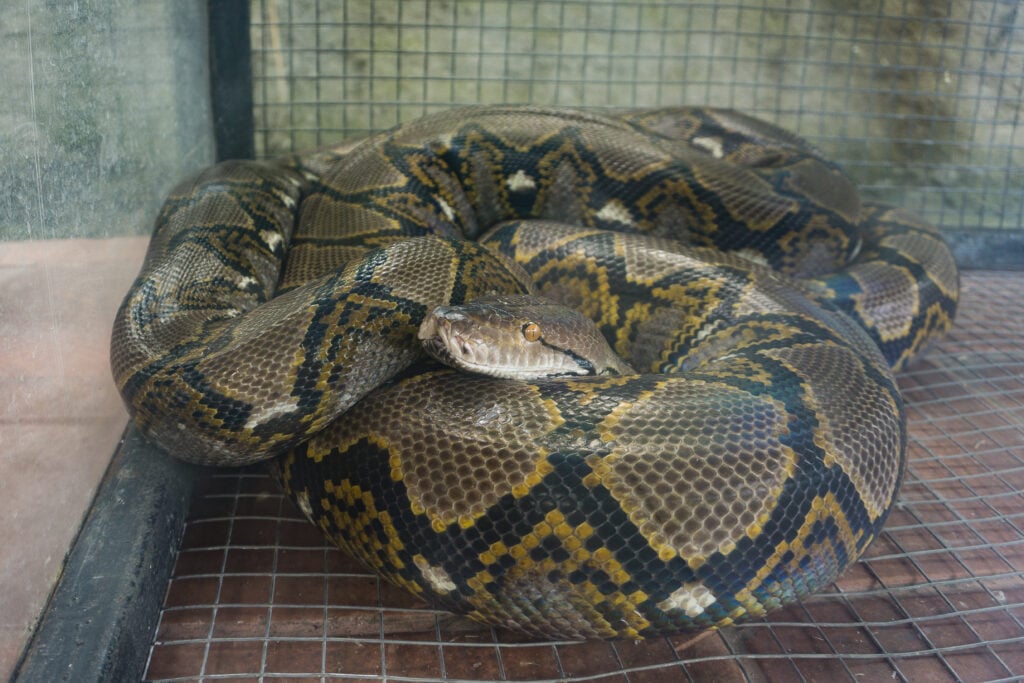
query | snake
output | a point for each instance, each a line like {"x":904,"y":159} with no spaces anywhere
{"x":745,"y":452}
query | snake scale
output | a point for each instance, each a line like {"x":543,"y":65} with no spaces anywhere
{"x":755,"y":456}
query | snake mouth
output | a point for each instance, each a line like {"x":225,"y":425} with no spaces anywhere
{"x":438,"y":350}
{"x":442,"y":341}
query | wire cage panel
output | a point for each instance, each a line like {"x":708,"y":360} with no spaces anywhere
{"x":921,"y":101}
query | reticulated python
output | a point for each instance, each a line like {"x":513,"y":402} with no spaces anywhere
{"x":755,"y":457}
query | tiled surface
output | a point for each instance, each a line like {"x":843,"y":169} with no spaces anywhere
{"x":60,"y":416}
{"x":257,"y":596}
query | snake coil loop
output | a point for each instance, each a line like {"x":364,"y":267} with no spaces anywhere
{"x":764,"y":305}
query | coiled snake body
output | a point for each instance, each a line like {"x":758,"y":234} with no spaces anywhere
{"x":754,"y":458}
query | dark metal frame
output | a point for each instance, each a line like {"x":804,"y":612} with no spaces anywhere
{"x":231,"y":79}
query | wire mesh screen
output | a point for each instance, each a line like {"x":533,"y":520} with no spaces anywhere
{"x":939,"y":597}
{"x":920,"y":100}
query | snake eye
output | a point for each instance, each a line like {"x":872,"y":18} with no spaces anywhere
{"x":531,"y":332}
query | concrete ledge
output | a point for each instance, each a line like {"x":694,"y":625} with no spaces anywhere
{"x":987,"y":249}
{"x":100,"y":620}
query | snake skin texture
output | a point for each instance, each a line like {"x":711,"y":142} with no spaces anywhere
{"x":764,"y":305}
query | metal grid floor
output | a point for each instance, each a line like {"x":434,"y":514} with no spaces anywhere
{"x":256,"y":595}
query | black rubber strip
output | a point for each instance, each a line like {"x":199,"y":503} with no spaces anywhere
{"x":100,"y":621}
{"x":987,"y":249}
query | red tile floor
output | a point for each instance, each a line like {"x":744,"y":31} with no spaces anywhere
{"x":256,"y":595}
{"x":60,"y":416}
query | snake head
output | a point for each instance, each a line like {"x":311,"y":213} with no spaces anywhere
{"x":518,"y":337}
